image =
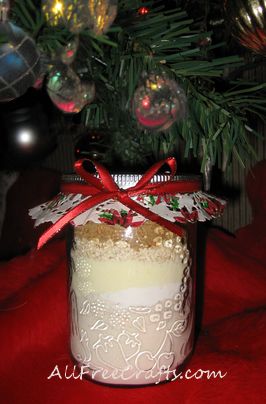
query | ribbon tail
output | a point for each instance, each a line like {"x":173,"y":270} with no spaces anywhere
{"x":76,"y":211}
{"x":172,"y":226}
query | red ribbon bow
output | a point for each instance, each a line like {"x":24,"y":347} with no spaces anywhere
{"x":105,"y":188}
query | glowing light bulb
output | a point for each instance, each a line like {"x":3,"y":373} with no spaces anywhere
{"x":146,"y":102}
{"x":25,"y":137}
{"x":58,"y":7}
{"x":154,"y":86}
{"x":143,"y":10}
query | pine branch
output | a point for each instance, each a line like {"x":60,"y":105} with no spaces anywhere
{"x":217,"y":120}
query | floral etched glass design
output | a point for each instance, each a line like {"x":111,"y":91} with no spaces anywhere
{"x":132,"y":300}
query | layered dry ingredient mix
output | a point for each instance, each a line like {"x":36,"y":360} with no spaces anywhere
{"x":131,"y":293}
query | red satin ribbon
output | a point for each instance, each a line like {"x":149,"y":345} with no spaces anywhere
{"x":105,"y":188}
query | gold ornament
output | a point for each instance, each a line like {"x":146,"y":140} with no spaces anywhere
{"x":73,"y":14}
{"x":77,"y":15}
{"x":102,"y":13}
{"x":248,"y":19}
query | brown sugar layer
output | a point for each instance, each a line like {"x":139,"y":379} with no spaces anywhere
{"x":147,"y":235}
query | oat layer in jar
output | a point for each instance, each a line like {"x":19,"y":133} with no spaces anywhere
{"x":132,"y":302}
{"x":131,"y":251}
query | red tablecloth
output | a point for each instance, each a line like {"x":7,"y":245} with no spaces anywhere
{"x":34,"y":330}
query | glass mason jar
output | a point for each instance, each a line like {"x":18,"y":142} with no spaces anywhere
{"x":132,"y":294}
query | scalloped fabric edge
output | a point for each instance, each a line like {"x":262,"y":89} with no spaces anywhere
{"x":181,"y":208}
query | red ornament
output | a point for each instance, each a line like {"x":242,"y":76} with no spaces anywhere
{"x":143,"y":10}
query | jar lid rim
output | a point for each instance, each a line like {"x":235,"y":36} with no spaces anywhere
{"x":125,"y":179}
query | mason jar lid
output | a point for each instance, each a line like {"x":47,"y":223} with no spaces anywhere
{"x":129,"y":180}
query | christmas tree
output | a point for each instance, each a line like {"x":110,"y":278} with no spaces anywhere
{"x":145,"y":43}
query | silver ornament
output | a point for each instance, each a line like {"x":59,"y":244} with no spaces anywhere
{"x":66,"y":90}
{"x":159,"y":102}
{"x":19,"y":62}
